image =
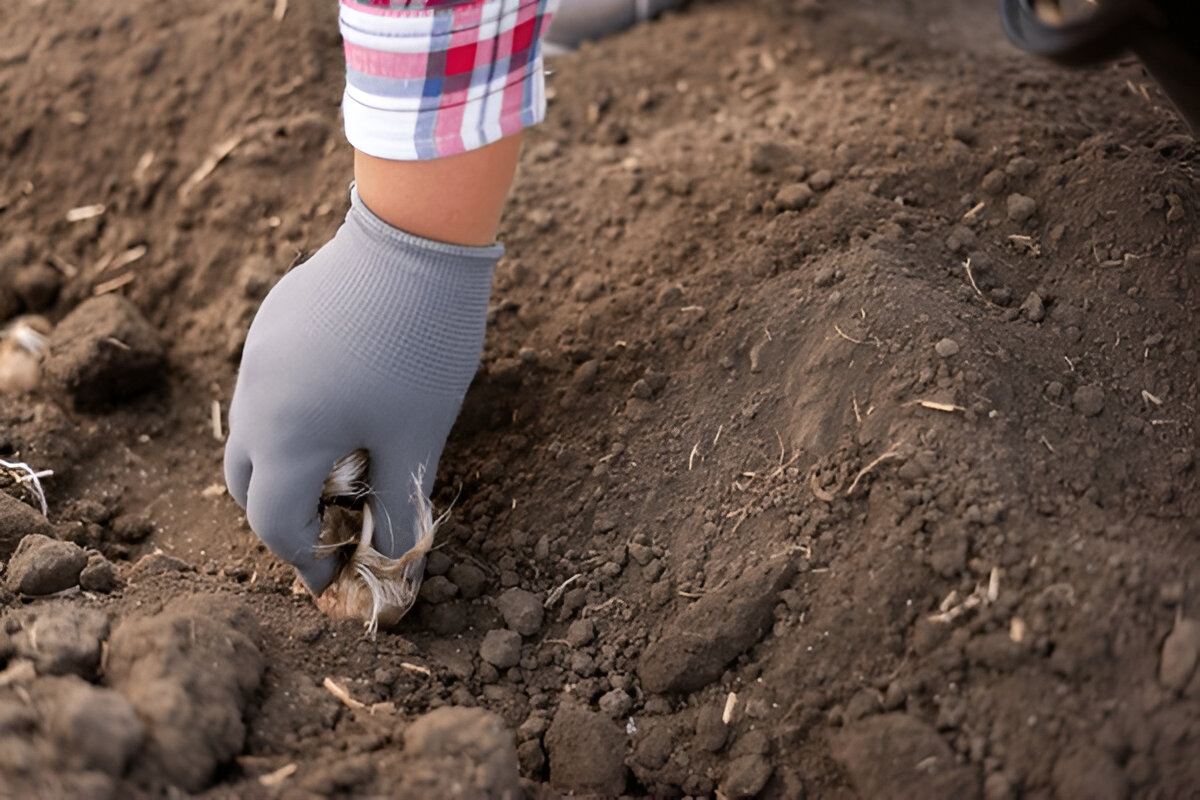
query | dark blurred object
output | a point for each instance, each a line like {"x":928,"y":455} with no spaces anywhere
{"x":1164,"y":34}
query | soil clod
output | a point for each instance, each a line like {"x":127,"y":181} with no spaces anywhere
{"x":103,"y":352}
{"x":42,"y":566}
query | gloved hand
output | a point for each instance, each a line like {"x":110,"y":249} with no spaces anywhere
{"x":371,"y":344}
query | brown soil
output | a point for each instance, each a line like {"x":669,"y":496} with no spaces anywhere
{"x":880,"y":485}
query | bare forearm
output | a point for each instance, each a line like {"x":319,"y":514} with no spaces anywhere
{"x":457,"y":199}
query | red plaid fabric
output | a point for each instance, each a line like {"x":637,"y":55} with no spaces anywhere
{"x":436,"y":78}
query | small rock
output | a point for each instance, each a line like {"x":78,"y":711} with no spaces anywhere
{"x":615,"y":703}
{"x":994,"y":182}
{"x":961,"y":239}
{"x":641,"y":389}
{"x":17,"y":521}
{"x":826,"y":276}
{"x":42,"y":566}
{"x":946,"y":348}
{"x":583,"y":664}
{"x":587,"y":752}
{"x":531,"y":757}
{"x":794,"y":196}
{"x":99,"y":575}
{"x":654,"y":745}
{"x":132,"y":528}
{"x":1033,"y":308}
{"x":102,"y":352}
{"x":1020,"y":207}
{"x":1180,"y":652}
{"x":522,"y":611}
{"x":469,"y":579}
{"x":501,"y":648}
{"x":746,"y":776}
{"x":1088,"y":400}
{"x":821,"y":180}
{"x":437,"y":589}
{"x":1021,"y":167}
{"x":711,"y":730}
{"x":581,"y":632}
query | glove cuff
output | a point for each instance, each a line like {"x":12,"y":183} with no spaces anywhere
{"x":410,"y":309}
{"x":390,"y":236}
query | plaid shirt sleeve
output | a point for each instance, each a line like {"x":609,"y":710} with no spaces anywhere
{"x":440,"y":77}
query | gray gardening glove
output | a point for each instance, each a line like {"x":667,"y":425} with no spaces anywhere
{"x":370,"y":344}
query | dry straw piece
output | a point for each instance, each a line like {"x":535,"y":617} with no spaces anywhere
{"x":368,"y":585}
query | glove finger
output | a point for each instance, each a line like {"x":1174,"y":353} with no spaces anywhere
{"x":238,"y":469}
{"x":395,"y":484}
{"x":282,"y":508}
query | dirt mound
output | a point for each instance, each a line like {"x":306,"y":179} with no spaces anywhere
{"x":835,"y":433}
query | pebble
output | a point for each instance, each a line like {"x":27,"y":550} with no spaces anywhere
{"x":581,"y":633}
{"x":531,"y":757}
{"x":522,"y":611}
{"x":18,"y":520}
{"x":501,"y":648}
{"x":586,"y":751}
{"x":946,"y":348}
{"x":1033,"y":308}
{"x":794,"y":196}
{"x":821,"y":180}
{"x":961,"y":239}
{"x":437,"y":589}
{"x":469,"y":579}
{"x":1180,"y":652}
{"x":99,"y":575}
{"x":86,"y":365}
{"x":615,"y":703}
{"x":1088,"y":400}
{"x":746,"y":776}
{"x":994,"y":182}
{"x":1021,"y":167}
{"x":1020,"y":207}
{"x":437,"y":563}
{"x":711,"y":730}
{"x":42,"y":566}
